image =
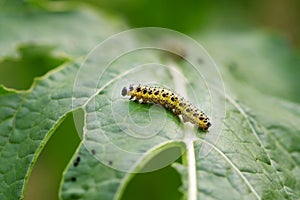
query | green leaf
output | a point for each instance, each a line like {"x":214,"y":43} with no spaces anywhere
{"x":27,"y":121}
{"x":258,"y":59}
{"x":33,"y":61}
{"x":28,"y":118}
{"x":243,"y":161}
{"x":72,"y":32}
{"x":253,"y":155}
{"x":250,"y":160}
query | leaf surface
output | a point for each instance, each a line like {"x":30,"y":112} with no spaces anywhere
{"x":252,"y":152}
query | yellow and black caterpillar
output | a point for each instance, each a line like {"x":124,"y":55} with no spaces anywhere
{"x":170,"y":100}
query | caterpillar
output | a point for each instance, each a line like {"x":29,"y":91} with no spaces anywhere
{"x":170,"y":100}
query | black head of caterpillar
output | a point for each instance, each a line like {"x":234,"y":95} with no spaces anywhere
{"x":170,"y":100}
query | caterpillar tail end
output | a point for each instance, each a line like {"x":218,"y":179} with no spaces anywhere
{"x":205,"y":128}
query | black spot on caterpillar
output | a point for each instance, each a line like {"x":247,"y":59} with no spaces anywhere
{"x":170,"y":100}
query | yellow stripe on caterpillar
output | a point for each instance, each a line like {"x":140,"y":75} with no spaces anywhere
{"x":170,"y":100}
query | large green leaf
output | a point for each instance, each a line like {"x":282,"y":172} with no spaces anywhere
{"x":254,"y":155}
{"x":27,"y":121}
{"x":28,"y":118}
{"x":247,"y":160}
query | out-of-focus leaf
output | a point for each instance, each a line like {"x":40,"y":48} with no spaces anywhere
{"x":28,"y":118}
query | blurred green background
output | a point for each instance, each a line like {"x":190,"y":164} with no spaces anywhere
{"x":189,"y":16}
{"x":279,"y":17}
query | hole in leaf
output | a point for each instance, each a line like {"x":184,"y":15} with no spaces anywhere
{"x":160,"y":184}
{"x":33,"y":60}
{"x":47,"y":171}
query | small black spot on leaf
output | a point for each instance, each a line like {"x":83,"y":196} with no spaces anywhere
{"x":73,"y":179}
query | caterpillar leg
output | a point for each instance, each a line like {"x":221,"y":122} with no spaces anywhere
{"x":184,"y":118}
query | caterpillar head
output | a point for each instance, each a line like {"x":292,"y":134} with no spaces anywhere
{"x":126,"y":92}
